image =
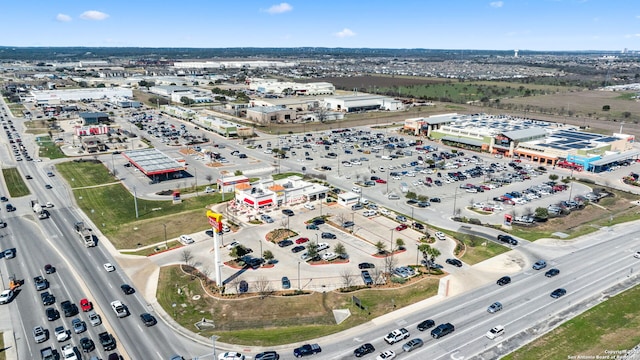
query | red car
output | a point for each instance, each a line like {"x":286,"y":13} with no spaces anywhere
{"x":86,"y":305}
{"x":302,"y":240}
{"x":401,"y":227}
{"x":381,"y":181}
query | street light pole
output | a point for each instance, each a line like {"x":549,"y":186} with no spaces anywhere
{"x":391,"y":241}
{"x":213,"y":340}
{"x":260,"y":248}
{"x":317,"y":239}
{"x":299,"y":276}
{"x":417,"y":253}
{"x":455,"y":197}
{"x":135,"y":200}
{"x":165,"y":236}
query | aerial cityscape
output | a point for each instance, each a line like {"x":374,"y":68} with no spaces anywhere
{"x":328,"y":180}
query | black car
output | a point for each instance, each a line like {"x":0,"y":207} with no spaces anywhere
{"x":267,"y":355}
{"x":148,"y":319}
{"x":288,"y":212}
{"x":243,"y":287}
{"x":318,"y":221}
{"x":366,"y":266}
{"x":49,"y":269}
{"x":503,"y":280}
{"x":3,"y":198}
{"x":442,"y":330}
{"x":47,"y":298}
{"x":69,"y":308}
{"x":454,"y":262}
{"x":348,"y":224}
{"x":417,"y":225}
{"x":552,"y":272}
{"x":52,"y":314}
{"x":435,"y":200}
{"x":427,"y":324}
{"x":507,"y":239}
{"x":47,"y":186}
{"x":328,"y":235}
{"x":285,"y":243}
{"x":364,"y":349}
{"x":87,"y":345}
{"x":127,"y":289}
{"x":297,"y":249}
{"x":558,"y":293}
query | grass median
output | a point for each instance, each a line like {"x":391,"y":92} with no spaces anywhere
{"x":15,"y":183}
{"x":278,"y":319}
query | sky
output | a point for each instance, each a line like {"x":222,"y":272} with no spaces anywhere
{"x":542,"y":25}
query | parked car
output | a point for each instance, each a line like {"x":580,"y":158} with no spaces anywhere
{"x":288,"y":212}
{"x":366,"y":266}
{"x":454,"y":262}
{"x":328,"y":235}
{"x":401,"y":227}
{"x":285,"y":243}
{"x":286,"y":283}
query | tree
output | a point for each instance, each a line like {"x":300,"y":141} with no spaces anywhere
{"x":186,"y":256}
{"x":347,"y":278}
{"x":380,"y":246}
{"x":542,"y":213}
{"x":312,"y":250}
{"x":263,"y":286}
{"x":187,"y":101}
{"x":268,"y":255}
{"x":553,"y":177}
{"x":606,"y":107}
{"x":209,"y":178}
{"x":400,"y":244}
{"x":411,"y":195}
{"x":340,"y":250}
{"x":321,"y":113}
{"x":390,"y":263}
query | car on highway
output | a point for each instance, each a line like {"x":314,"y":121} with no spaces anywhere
{"x":86,"y":305}
{"x":69,"y":353}
{"x":386,"y":355}
{"x":442,"y":330}
{"x":52,"y":314}
{"x":454,"y":262}
{"x":48,"y":186}
{"x":94,"y":319}
{"x":6,"y":296}
{"x":637,"y":255}
{"x":412,"y":344}
{"x":40,"y":283}
{"x":285,"y":243}
{"x":307,"y":350}
{"x":267,"y":355}
{"x":61,"y":334}
{"x":396,"y":335}
{"x":426,"y":324}
{"x":119,"y":309}
{"x":363,"y":350}
{"x":297,"y":249}
{"x":540,"y":264}
{"x":127,"y":289}
{"x":148,"y":319}
{"x":557,"y":293}
{"x":109,"y":267}
{"x":552,"y":272}
{"x":494,"y":308}
{"x":231,"y":355}
{"x":87,"y":345}
{"x":9,"y":253}
{"x":495,"y":332}
{"x":69,"y":308}
{"x":40,"y":334}
{"x":49,"y":269}
{"x":78,"y":326}
{"x":503,"y":280}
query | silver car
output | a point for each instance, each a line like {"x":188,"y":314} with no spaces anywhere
{"x":39,"y":334}
{"x":412,"y":345}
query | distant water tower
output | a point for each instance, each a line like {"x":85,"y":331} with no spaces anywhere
{"x":515,"y":53}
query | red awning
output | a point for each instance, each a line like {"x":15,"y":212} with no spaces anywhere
{"x":265,"y":202}
{"x":248,"y":201}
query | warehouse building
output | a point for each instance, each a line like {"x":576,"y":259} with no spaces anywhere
{"x":270,"y":114}
{"x":56,"y":97}
{"x":358,"y":103}
{"x":280,"y":88}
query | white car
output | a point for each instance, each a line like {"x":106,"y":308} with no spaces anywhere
{"x":109,"y":267}
{"x":69,"y":353}
{"x":49,"y":204}
{"x":322,"y":246}
{"x":309,"y":206}
{"x":329,"y":256}
{"x":637,"y":255}
{"x":386,"y":355}
{"x":385,"y":212}
{"x":225,"y":228}
{"x":495,"y":332}
{"x":231,"y":355}
{"x":62,"y":334}
{"x":119,"y":308}
{"x":232,"y":245}
{"x":6,"y":296}
{"x":440,"y":235}
{"x":39,"y":335}
{"x":186,"y":239}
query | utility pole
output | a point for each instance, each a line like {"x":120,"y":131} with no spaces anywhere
{"x":135,"y":200}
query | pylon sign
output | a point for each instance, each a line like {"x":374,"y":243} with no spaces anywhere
{"x":215,"y":220}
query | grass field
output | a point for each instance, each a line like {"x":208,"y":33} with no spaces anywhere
{"x":15,"y":183}
{"x":48,"y":149}
{"x":112,"y":208}
{"x":279,"y":319}
{"x":611,"y":325}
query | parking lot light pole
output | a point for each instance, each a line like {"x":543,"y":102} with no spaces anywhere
{"x":317,"y":239}
{"x":417,"y":253}
{"x":298,"y":275}
{"x":213,"y":340}
{"x":260,"y":240}
{"x":165,"y":236}
{"x":391,"y":241}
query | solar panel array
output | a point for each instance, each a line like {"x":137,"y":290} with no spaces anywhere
{"x":569,"y":140}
